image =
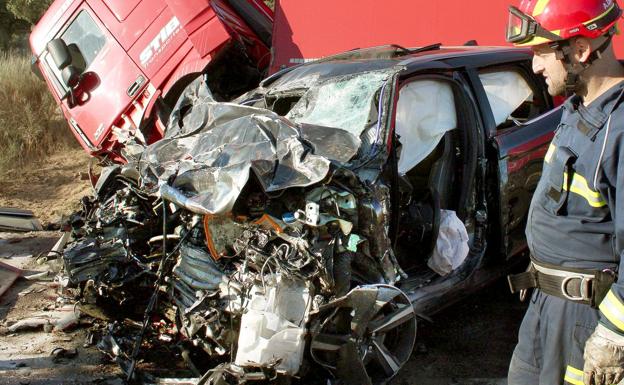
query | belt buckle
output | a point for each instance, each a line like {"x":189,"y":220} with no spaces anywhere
{"x":584,"y":288}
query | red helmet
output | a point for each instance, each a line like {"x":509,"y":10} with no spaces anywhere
{"x":543,"y":21}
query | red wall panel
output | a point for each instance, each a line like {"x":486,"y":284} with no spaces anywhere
{"x":307,"y":29}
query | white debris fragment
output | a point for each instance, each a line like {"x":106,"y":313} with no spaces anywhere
{"x":452,"y":245}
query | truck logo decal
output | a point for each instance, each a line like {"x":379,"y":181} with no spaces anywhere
{"x":156,"y":46}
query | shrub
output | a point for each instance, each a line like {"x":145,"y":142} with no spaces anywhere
{"x":31,"y":125}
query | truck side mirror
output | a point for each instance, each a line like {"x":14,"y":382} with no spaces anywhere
{"x":71,"y":76}
{"x":60,"y":53}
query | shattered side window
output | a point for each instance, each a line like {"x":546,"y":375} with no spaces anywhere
{"x":346,"y":102}
{"x":509,"y":94}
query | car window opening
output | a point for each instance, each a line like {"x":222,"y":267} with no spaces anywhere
{"x":511,"y":97}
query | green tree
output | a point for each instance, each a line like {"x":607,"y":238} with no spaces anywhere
{"x":28,"y":10}
{"x":11,"y":28}
{"x":16,"y":20}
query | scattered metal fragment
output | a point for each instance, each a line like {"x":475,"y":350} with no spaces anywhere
{"x":18,"y":220}
{"x":8,"y":276}
{"x":59,"y":321}
{"x":32,"y":323}
{"x":37,"y":276}
{"x":58,"y":247}
{"x":58,"y":354}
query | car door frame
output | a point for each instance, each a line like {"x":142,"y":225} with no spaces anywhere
{"x":454,"y":286}
{"x":515,"y":156}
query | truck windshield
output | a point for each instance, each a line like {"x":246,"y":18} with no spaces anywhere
{"x":86,"y":36}
{"x":84,"y":40}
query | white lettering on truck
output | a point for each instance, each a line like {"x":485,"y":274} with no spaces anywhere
{"x":160,"y":41}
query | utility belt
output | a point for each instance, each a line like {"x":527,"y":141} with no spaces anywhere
{"x":578,"y":285}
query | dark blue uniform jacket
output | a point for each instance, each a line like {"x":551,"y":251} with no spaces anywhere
{"x":577,"y":212}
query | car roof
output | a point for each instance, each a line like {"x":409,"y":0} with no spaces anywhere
{"x":393,"y":57}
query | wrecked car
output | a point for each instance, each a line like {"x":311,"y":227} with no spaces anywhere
{"x":297,"y":234}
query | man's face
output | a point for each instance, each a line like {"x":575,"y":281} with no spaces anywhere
{"x":545,"y":63}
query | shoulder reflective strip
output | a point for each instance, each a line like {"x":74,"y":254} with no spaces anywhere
{"x":573,"y":376}
{"x":600,"y":16}
{"x":539,"y":7}
{"x":580,"y":186}
{"x":550,"y":152}
{"x":613,"y":309}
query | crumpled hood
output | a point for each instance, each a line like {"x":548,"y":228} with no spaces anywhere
{"x":210,"y":148}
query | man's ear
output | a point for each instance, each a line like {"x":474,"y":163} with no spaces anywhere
{"x":582,"y":49}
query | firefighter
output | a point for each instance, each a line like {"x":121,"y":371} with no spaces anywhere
{"x":573,"y":331}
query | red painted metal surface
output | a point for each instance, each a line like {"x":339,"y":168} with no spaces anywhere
{"x":313,"y":29}
{"x":151,"y":43}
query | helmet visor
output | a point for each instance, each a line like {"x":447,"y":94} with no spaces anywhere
{"x":520,"y":27}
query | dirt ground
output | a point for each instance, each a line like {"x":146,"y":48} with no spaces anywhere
{"x":50,"y":188}
{"x":470,"y":343}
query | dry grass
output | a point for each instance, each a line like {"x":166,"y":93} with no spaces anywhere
{"x":31,"y":125}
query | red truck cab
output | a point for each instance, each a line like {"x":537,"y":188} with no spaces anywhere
{"x":130,"y":59}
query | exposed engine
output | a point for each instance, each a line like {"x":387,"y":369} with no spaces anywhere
{"x":264,"y":291}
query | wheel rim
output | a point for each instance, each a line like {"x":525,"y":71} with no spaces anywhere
{"x":366,"y":336}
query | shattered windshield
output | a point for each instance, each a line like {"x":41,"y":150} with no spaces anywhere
{"x":347,"y":102}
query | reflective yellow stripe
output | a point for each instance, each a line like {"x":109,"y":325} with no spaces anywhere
{"x":537,"y":40}
{"x":574,"y":376}
{"x":600,"y":16}
{"x":550,"y":152}
{"x":613,"y":309}
{"x":539,"y":7}
{"x":580,"y":186}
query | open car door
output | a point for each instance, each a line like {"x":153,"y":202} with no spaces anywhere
{"x":520,"y":125}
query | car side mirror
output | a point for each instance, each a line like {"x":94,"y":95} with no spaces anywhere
{"x":60,"y":53}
